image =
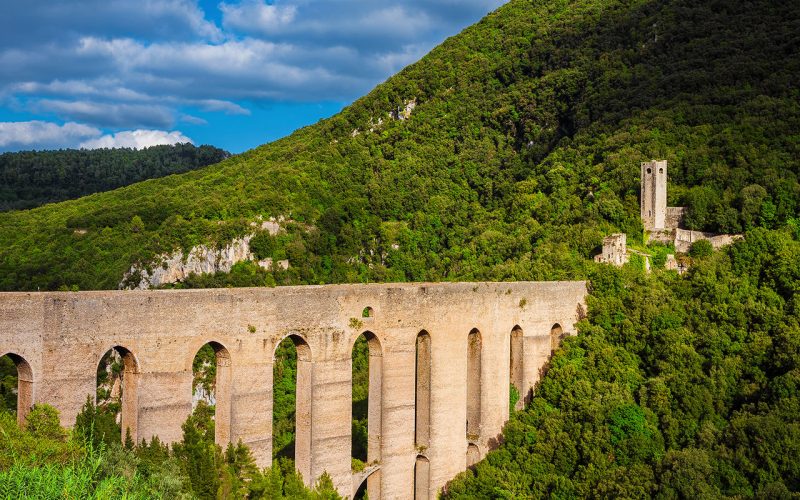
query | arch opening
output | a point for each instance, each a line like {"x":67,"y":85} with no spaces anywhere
{"x":556,"y":335}
{"x":16,"y":385}
{"x":422,"y":478}
{"x":367,"y":408}
{"x":291,"y":405}
{"x":422,"y":414}
{"x":117,"y":396}
{"x":211,"y":391}
{"x":516,"y":371}
{"x":473,"y":455}
{"x":474,"y":348}
{"x":367,"y":312}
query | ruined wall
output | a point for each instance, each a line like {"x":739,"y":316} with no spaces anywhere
{"x":62,"y":336}
{"x":674,"y":217}
{"x":684,"y":239}
{"x":615,"y":250}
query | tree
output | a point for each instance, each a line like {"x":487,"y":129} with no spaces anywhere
{"x":43,"y":422}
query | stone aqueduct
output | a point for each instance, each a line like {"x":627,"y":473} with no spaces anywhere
{"x":441,"y":359}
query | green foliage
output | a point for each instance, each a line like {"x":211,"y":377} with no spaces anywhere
{"x":360,"y":384}
{"x":676,"y":387}
{"x":204,"y":370}
{"x":8,"y":384}
{"x":284,"y":391}
{"x":97,"y":426}
{"x":513,"y":398}
{"x":522,"y":152}
{"x":32,"y":178}
{"x":42,"y":422}
{"x":701,"y":249}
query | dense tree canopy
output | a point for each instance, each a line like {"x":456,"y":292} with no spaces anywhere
{"x":32,"y":178}
{"x":674,"y":388}
{"x":521,"y":153}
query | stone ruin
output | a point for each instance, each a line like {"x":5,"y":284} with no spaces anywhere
{"x":615,"y":250}
{"x":661,"y":223}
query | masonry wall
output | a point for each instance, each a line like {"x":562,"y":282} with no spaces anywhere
{"x":63,"y":336}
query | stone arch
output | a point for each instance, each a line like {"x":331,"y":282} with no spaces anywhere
{"x":473,"y":455}
{"x":302,"y":407}
{"x":24,"y":386}
{"x":374,"y":409}
{"x":556,"y":334}
{"x":516,"y":369}
{"x":422,"y":478}
{"x":129,"y":389}
{"x":474,"y":384}
{"x":368,"y":312}
{"x":222,"y":392}
{"x":422,"y":414}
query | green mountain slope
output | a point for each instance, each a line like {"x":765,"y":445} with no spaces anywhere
{"x":674,"y":388}
{"x":32,"y":178}
{"x":522,"y":151}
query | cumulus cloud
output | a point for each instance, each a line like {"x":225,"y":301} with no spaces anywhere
{"x":148,"y":64}
{"x":137,"y":139}
{"x":40,"y":134}
{"x":254,"y":16}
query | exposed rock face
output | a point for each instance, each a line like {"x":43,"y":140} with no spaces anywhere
{"x":404,"y":113}
{"x":174,"y":267}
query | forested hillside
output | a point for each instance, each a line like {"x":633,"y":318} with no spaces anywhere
{"x":32,"y":178}
{"x":674,"y":388}
{"x":521,"y":153}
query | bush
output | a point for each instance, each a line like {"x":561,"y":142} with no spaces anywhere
{"x":42,"y":422}
{"x":701,"y":249}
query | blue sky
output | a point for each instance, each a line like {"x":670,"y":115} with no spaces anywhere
{"x":235,"y":74}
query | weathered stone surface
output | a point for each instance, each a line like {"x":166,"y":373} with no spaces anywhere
{"x":684,"y":239}
{"x":654,"y":194}
{"x":62,"y":336}
{"x":615,"y":250}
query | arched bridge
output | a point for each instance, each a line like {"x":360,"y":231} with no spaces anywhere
{"x":441,"y":357}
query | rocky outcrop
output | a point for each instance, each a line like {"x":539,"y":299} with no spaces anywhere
{"x":176,"y":267}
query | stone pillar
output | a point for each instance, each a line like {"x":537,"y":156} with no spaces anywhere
{"x":165,"y":402}
{"x":398,"y":454}
{"x":251,"y":409}
{"x":331,"y":411}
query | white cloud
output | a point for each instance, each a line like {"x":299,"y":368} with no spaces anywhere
{"x":254,"y":16}
{"x":40,"y":134}
{"x":137,"y":139}
{"x":228,"y":107}
{"x":145,"y":65}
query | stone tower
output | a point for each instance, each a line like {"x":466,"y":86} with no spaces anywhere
{"x":654,"y":194}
